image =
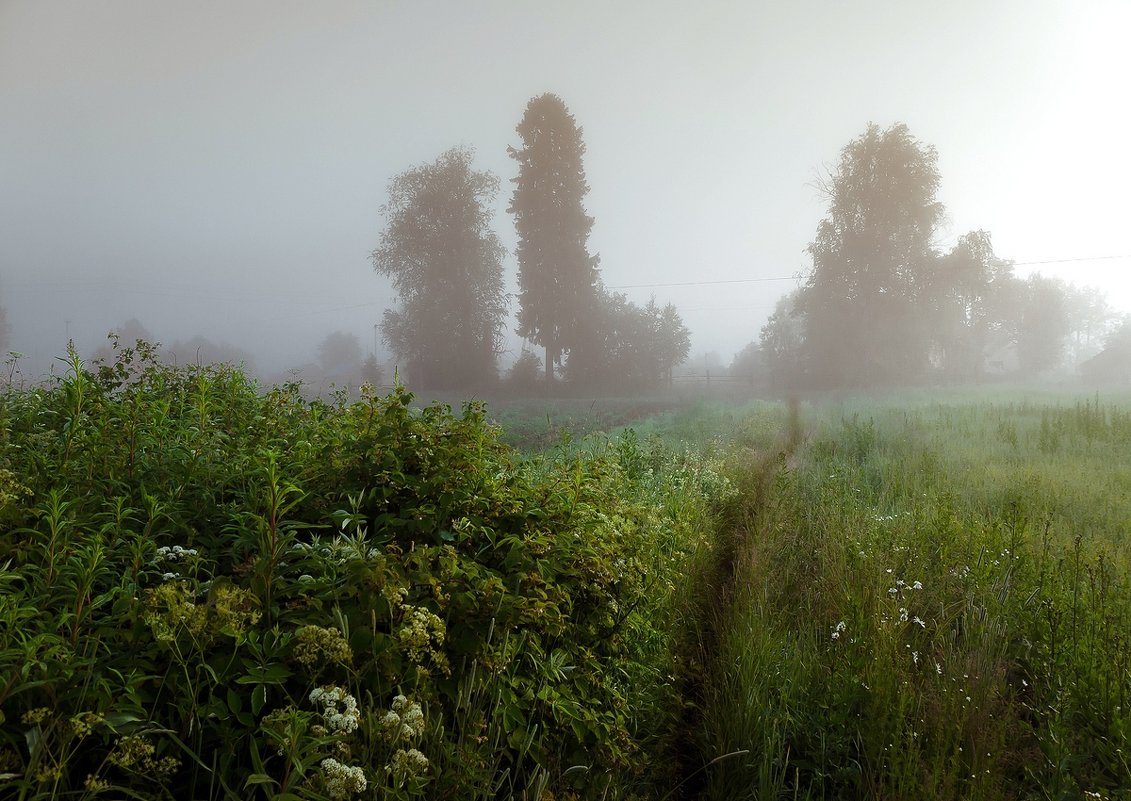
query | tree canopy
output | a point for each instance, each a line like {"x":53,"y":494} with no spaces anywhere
{"x":871,"y":261}
{"x":882,"y":305}
{"x":445,"y":263}
{"x":340,"y":352}
{"x":629,"y":346}
{"x":557,"y":277}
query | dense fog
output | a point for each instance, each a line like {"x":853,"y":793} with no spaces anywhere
{"x":812,"y":195}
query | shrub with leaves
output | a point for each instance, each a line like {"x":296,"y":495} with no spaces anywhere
{"x":212,"y":591}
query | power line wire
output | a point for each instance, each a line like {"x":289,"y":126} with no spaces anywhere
{"x":705,"y":283}
{"x":795,"y":277}
{"x":1063,"y":261}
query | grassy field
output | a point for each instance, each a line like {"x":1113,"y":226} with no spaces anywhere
{"x":213,"y":591}
{"x":932,"y":601}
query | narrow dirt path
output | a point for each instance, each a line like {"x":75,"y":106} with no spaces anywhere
{"x":711,"y":611}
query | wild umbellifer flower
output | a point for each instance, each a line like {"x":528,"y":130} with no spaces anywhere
{"x":344,"y":720}
{"x":342,"y":781}
{"x":404,"y":721}
{"x":315,"y":644}
{"x":407,"y":764}
{"x":422,"y":635}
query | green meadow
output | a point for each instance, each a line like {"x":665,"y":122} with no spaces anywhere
{"x":214,"y":590}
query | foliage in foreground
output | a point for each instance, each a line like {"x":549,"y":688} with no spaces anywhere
{"x":210,"y":592}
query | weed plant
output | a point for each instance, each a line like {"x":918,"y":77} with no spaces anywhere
{"x":212,"y":591}
{"x":933,"y":602}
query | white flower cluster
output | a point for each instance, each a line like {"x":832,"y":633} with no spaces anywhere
{"x":175,"y":553}
{"x":344,"y":721}
{"x":838,"y":630}
{"x":342,"y":781}
{"x":404,"y":721}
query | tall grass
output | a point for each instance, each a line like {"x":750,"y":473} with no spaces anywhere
{"x":936,"y":606}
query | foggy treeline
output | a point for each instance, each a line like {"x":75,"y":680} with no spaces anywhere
{"x":445,"y":262}
{"x":882,"y":306}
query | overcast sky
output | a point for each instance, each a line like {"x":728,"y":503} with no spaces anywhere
{"x":218,"y":168}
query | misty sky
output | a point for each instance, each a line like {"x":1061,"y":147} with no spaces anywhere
{"x":218,"y":168}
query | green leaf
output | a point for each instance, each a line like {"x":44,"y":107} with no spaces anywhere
{"x":116,"y":719}
{"x":259,"y":778}
{"x":258,"y":698}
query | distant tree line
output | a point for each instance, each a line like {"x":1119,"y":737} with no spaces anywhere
{"x":340,"y":361}
{"x":881,"y":305}
{"x":445,"y":263}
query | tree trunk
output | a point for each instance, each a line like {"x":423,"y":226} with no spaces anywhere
{"x":551,"y":356}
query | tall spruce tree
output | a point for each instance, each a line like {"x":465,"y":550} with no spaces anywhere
{"x":557,"y":278}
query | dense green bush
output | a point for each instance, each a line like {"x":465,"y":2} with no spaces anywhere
{"x":214,"y":592}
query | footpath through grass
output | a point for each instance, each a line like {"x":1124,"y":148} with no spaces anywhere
{"x":936,"y":603}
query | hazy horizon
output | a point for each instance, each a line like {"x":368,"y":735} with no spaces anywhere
{"x":217,"y":169}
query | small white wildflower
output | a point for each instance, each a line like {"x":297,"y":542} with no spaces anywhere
{"x":170,"y":576}
{"x":918,"y":585}
{"x":919,"y":621}
{"x":915,"y":657}
{"x":342,"y":781}
{"x":345,"y":721}
{"x":903,"y":615}
{"x":414,"y":719}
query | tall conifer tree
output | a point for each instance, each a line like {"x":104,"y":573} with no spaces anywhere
{"x":557,"y":278}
